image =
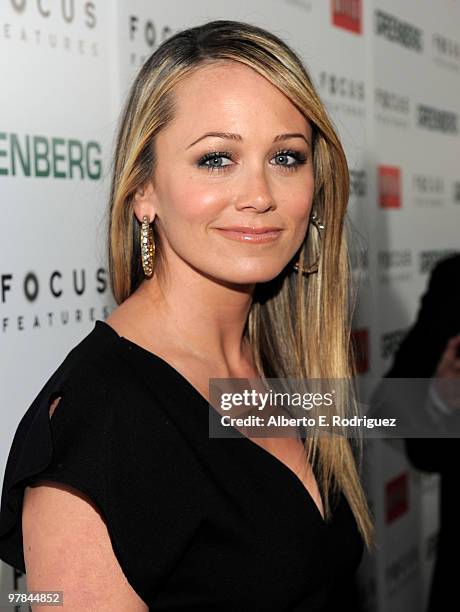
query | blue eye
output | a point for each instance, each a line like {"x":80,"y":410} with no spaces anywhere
{"x":218,"y":156}
{"x":211,"y":157}
{"x":299,"y":158}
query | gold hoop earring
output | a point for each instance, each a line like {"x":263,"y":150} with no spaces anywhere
{"x":319,"y":225}
{"x":147,"y":247}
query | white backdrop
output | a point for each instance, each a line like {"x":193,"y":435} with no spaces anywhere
{"x":389,"y":73}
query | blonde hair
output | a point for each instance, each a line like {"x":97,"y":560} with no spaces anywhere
{"x":298,"y":326}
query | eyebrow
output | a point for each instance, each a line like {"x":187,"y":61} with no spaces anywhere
{"x":230,"y":136}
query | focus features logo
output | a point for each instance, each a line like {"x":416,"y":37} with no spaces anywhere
{"x":428,"y":190}
{"x":58,"y":287}
{"x":335,"y":85}
{"x":347,"y":14}
{"x":391,"y":108}
{"x":66,"y":11}
{"x":342,"y":94}
{"x":27,"y":16}
{"x":391,"y":101}
{"x":389,"y":185}
{"x":401,"y":32}
{"x":428,"y":184}
{"x":394,"y":265}
{"x":144,"y":35}
{"x":147,"y":31}
{"x":394,"y":259}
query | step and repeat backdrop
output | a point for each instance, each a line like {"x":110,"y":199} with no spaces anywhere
{"x":389,"y":74}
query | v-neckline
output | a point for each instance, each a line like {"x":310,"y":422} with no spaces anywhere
{"x":203,"y":401}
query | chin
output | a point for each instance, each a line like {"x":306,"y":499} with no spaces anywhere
{"x":249,"y":276}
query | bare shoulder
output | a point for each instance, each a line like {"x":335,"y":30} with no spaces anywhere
{"x":67,"y":547}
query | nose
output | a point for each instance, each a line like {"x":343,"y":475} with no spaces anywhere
{"x":255,"y":194}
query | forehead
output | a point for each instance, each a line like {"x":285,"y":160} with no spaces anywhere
{"x":232,"y":96}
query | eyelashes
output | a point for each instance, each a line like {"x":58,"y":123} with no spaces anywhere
{"x":299,"y":160}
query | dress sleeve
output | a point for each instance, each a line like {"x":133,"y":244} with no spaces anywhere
{"x":71,"y":447}
{"x":103,"y":444}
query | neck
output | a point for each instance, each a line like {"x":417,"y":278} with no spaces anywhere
{"x":198,"y":315}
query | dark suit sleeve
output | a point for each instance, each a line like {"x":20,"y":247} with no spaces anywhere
{"x":419,"y":353}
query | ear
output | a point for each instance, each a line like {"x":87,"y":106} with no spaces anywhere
{"x":145,"y":202}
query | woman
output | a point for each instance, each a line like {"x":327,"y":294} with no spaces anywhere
{"x":224,"y":155}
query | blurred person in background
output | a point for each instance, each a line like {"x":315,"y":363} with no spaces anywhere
{"x":431,"y":350}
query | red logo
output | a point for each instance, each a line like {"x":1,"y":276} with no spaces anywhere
{"x":360,"y":341}
{"x":396,"y":497}
{"x":347,"y":14}
{"x":389,"y":187}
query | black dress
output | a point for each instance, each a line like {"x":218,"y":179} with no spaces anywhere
{"x":196,"y":523}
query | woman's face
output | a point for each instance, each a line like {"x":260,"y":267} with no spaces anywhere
{"x":259,"y":177}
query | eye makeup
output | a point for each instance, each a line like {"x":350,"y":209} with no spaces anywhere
{"x":299,"y":159}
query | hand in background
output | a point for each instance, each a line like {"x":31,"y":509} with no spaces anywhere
{"x":447,"y":374}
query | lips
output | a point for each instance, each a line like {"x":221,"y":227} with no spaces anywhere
{"x":252,"y":234}
{"x":250,"y":229}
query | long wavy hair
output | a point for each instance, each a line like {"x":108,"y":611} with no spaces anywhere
{"x":299,"y":325}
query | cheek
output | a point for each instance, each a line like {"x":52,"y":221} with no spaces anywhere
{"x":298,"y":204}
{"x":297,"y":209}
{"x":297,"y":192}
{"x":194,"y":204}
